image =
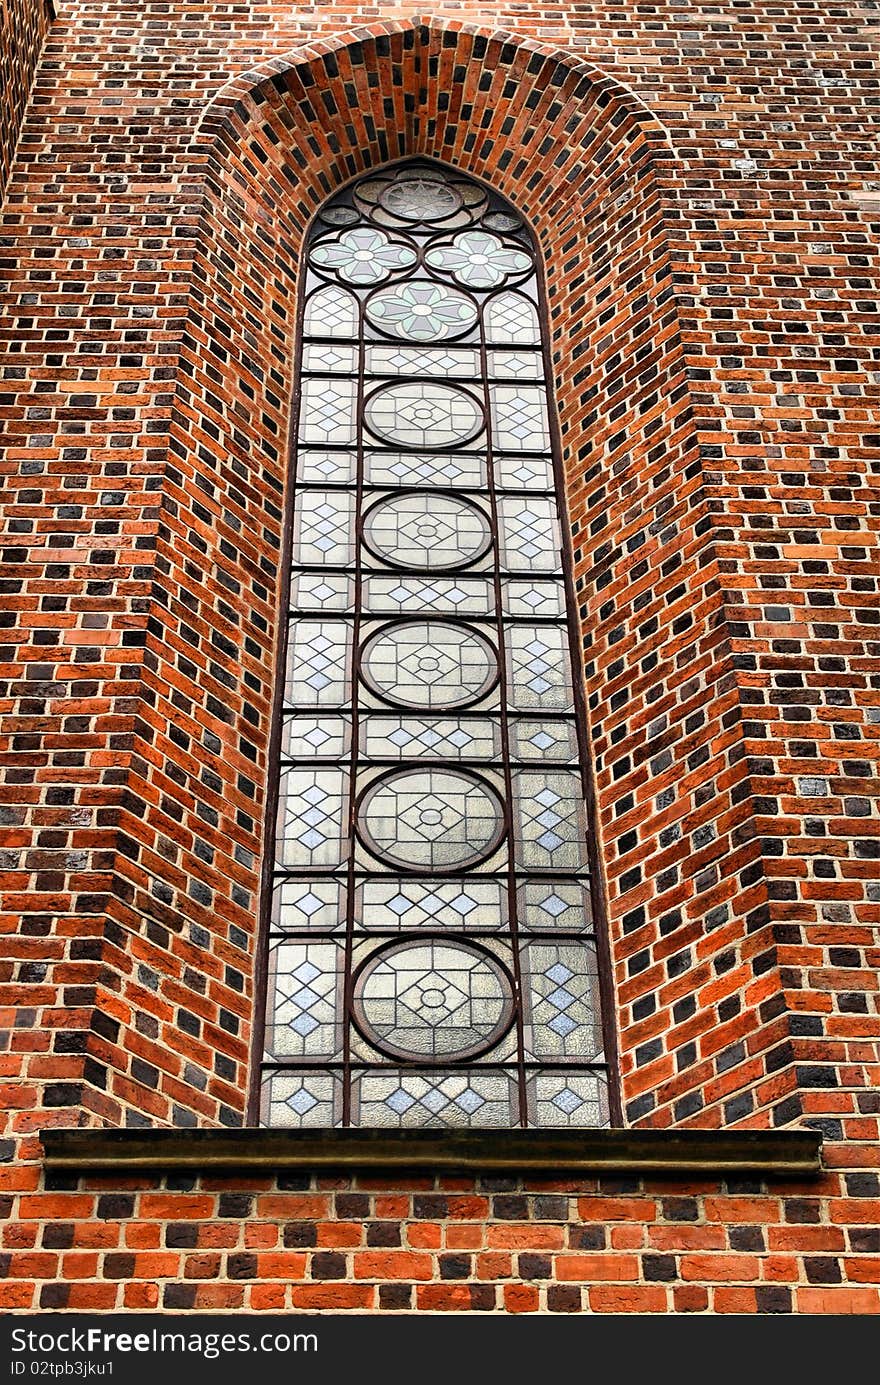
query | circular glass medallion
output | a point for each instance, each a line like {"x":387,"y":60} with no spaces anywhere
{"x":429,"y":665}
{"x":421,"y":311}
{"x":431,"y":819}
{"x":421,"y":415}
{"x":431,"y":1000}
{"x":426,"y":529}
{"x":420,"y":199}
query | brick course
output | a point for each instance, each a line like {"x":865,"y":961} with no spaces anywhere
{"x":701,"y":189}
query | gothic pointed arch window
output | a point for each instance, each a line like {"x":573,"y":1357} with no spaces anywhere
{"x":431,"y":949}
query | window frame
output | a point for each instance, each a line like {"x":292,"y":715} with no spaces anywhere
{"x":572,"y":624}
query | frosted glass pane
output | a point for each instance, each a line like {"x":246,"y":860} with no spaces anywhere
{"x":318,"y":663}
{"x":562,"y":1007}
{"x":550,"y":826}
{"x":327,"y":414}
{"x":539,"y":668}
{"x":476,"y":903}
{"x":331,"y":312}
{"x":431,"y":819}
{"x":311,"y":806}
{"x":454,"y":1100}
{"x":428,"y":665}
{"x":305,"y":992}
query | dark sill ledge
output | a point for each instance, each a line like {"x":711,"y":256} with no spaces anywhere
{"x":772,"y":1153}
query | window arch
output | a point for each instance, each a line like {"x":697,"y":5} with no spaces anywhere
{"x":431,"y":948}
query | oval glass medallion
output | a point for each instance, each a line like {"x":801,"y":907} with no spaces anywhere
{"x":422,"y":415}
{"x":428,"y":664}
{"x":431,"y":819}
{"x":428,"y":530}
{"x":433,"y":1000}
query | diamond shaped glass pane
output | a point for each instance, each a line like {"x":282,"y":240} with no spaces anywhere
{"x":327,"y":412}
{"x":321,"y":591}
{"x":563,"y":906}
{"x":447,"y":738}
{"x":311,"y":806}
{"x":519,"y":418}
{"x":294,"y":1100}
{"x":533,"y":599}
{"x":324,"y":737}
{"x":330,"y":356}
{"x":539,"y":668}
{"x":407,"y":360}
{"x":530,"y":536}
{"x":557,"y":1099}
{"x":560,"y":983}
{"x":303,"y":906}
{"x":455,"y":596}
{"x":322,"y":527}
{"x":549,"y":820}
{"x":477,"y":904}
{"x":451,"y":1100}
{"x":318,"y":663}
{"x":543,"y":740}
{"x":304,"y":1000}
{"x":460,"y":469}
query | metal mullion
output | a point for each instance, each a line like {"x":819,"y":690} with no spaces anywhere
{"x":512,"y":901}
{"x":354,"y":757}
{"x":556,"y":1065}
{"x":367,"y":934}
{"x":398,"y":873}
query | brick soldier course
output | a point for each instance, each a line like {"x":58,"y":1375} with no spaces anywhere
{"x":700,"y":184}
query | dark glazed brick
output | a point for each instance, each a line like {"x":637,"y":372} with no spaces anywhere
{"x":510,"y":1208}
{"x":395,"y":1296}
{"x":383,"y":1233}
{"x":178,"y":1295}
{"x":300,"y":1234}
{"x":587,"y":1237}
{"x":534,"y":1266}
{"x":241,"y":1265}
{"x":564,"y":1298}
{"x":455,"y":1266}
{"x":659,"y":1268}
{"x":328,"y":1264}
{"x":773,"y":1298}
{"x":235,"y":1205}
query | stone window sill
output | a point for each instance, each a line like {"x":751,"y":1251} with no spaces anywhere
{"x":770,"y":1153}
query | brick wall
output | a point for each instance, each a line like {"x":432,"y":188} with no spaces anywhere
{"x":700,"y":190}
{"x":23,"y":26}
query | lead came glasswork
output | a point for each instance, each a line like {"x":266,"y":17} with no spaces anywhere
{"x":423,"y":415}
{"x":427,"y":531}
{"x":429,"y":665}
{"x":431,"y":947}
{"x":434,"y":1000}
{"x":431,"y":820}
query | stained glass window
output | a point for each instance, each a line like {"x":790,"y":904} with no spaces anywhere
{"x":431,"y":950}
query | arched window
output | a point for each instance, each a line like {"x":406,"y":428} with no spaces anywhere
{"x":431,"y":955}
